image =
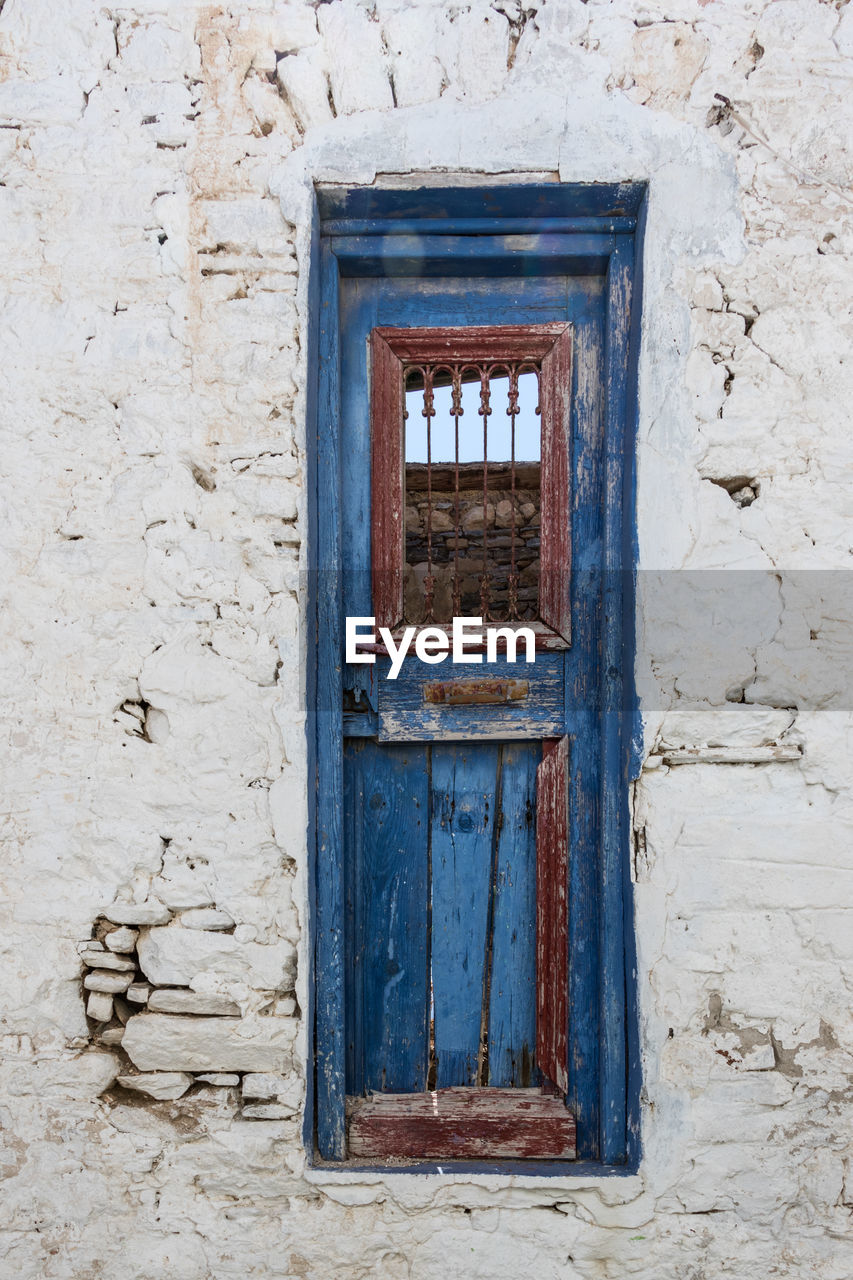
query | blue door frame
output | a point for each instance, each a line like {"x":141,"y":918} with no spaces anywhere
{"x":499,"y":234}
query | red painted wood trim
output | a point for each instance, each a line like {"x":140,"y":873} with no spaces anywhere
{"x":390,"y":348}
{"x":516,"y":342}
{"x":555,"y":401}
{"x":552,"y":913}
{"x":387,"y":481}
{"x":460,"y":1123}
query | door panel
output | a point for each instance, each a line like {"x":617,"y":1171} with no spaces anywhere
{"x":405,"y":716}
{"x":462,"y":830}
{"x":440,"y":825}
{"x":512,"y":1006}
{"x":386,"y":800}
{"x":442,"y":837}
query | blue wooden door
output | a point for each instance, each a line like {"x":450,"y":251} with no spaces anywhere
{"x":439,"y":822}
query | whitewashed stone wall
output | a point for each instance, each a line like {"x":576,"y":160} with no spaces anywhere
{"x":156,"y":160}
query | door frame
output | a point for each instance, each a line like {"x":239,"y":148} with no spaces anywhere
{"x":478,"y":231}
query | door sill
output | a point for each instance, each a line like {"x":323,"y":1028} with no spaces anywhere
{"x":461,"y":1123}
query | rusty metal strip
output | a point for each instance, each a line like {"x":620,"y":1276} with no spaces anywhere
{"x":454,"y":693}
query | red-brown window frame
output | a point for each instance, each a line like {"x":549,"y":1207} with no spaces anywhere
{"x":550,"y":346}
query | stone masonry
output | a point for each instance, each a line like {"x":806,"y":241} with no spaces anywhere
{"x":157,"y":161}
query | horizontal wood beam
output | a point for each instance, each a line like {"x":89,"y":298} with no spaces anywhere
{"x":431,"y":255}
{"x":462,"y":1123}
{"x":472,"y":226}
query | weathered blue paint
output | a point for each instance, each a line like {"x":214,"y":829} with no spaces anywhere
{"x":512,"y":982}
{"x":635,"y":749}
{"x":601,"y":1039}
{"x":550,"y":200}
{"x":473,"y":226}
{"x":404,"y":716}
{"x":427,"y":256}
{"x":462,"y":830}
{"x":614,"y":804}
{"x":583,"y":725}
{"x":329,"y":731}
{"x":386,"y":806}
{"x":308,"y":1119}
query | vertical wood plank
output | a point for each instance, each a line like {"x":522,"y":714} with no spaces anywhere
{"x":634,"y":752}
{"x":358,"y":317}
{"x":391,"y":954}
{"x":512,"y":1003}
{"x":330,"y":1055}
{"x":312,"y":391}
{"x":552,"y":904}
{"x":555,"y":398}
{"x":461,"y":830}
{"x":614,"y":811}
{"x":583,"y":724}
{"x":388,"y":532}
{"x":354,"y":755}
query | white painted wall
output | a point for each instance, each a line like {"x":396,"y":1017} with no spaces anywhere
{"x":156,"y":161}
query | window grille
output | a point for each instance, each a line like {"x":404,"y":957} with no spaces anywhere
{"x":472,"y":491}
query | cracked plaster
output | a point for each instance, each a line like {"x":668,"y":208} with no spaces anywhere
{"x":156,"y":162}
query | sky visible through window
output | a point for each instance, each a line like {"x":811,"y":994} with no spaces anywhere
{"x":527,"y":436}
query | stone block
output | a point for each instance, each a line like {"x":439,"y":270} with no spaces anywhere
{"x":266,"y":1111}
{"x":99,"y":1006}
{"x":106,"y":960}
{"x":173,"y":1000}
{"x":174,"y":956}
{"x":111,"y":983}
{"x":122,"y":939}
{"x":164,"y":1042}
{"x":302,"y":80}
{"x":259,"y":1085}
{"x":359,"y":77}
{"x":165,"y":1086}
{"x":147,"y":913}
{"x":206,"y":918}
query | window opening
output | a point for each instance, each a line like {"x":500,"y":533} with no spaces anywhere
{"x":470,"y":502}
{"x":472,"y":491}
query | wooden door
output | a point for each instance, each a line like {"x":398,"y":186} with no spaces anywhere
{"x":458,"y":817}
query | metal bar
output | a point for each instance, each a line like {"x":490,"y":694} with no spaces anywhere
{"x":457,"y":410}
{"x":485,"y":408}
{"x":512,"y":410}
{"x":428,"y":412}
{"x":455,"y":693}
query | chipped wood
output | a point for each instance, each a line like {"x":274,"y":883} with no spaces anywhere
{"x":387,"y":532}
{"x":555,"y":392}
{"x":462,"y":1123}
{"x":552,"y":913}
